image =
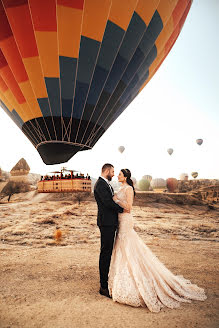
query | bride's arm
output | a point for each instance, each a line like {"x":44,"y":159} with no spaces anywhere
{"x":127,"y":205}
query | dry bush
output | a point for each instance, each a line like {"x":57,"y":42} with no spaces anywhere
{"x":47,"y":209}
{"x":46,"y":221}
{"x":68,"y":212}
{"x":66,"y":203}
{"x":81,"y":196}
{"x":55,"y":216}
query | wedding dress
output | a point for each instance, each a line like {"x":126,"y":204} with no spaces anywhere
{"x":136,"y":275}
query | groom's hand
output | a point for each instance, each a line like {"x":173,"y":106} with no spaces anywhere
{"x":126,"y":211}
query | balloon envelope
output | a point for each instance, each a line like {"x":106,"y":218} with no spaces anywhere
{"x":194,"y":174}
{"x":170,"y":151}
{"x":184,"y":176}
{"x":134,"y":180}
{"x":158,"y":183}
{"x":199,"y":141}
{"x":172,"y":184}
{"x":147,"y":177}
{"x":144,"y":185}
{"x":121,"y":149}
{"x":68,"y":68}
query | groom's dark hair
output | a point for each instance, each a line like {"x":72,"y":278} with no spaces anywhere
{"x":106,"y":166}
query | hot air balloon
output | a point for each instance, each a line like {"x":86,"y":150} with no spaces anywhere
{"x":134,"y":180}
{"x":194,"y":174}
{"x":147,"y":177}
{"x":69,"y":68}
{"x":121,"y":149}
{"x":170,"y":151}
{"x":184,"y":176}
{"x":172,"y":184}
{"x":158,"y":183}
{"x":199,"y":141}
{"x":144,"y":185}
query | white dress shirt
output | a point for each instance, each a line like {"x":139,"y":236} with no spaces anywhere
{"x":107,"y":181}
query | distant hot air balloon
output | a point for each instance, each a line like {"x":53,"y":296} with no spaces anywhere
{"x":199,"y":141}
{"x":147,"y":177}
{"x":170,"y":151}
{"x":158,"y":183}
{"x":134,"y":180}
{"x":121,"y":149}
{"x":184,"y":176}
{"x":144,"y":185}
{"x":69,"y":68}
{"x":172,"y":184}
{"x":194,"y":174}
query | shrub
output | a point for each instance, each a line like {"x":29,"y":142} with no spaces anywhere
{"x":80,"y":196}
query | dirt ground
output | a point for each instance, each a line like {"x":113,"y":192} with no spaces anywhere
{"x":49,"y":283}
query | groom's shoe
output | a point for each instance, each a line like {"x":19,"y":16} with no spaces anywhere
{"x":104,"y":292}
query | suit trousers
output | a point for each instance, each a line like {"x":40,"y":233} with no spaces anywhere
{"x":107,"y":235}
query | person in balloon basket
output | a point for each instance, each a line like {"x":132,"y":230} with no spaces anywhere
{"x":107,"y":221}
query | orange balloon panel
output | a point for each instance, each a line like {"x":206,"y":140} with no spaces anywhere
{"x":69,"y":68}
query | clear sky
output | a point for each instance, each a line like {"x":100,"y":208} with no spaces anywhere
{"x":179,"y":105}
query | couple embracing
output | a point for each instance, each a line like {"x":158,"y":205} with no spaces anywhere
{"x":129,"y":272}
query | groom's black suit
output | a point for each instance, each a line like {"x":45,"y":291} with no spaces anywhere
{"x":107,"y":221}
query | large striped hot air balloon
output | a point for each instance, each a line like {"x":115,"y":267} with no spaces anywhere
{"x":69,"y":68}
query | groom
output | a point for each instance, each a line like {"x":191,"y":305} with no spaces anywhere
{"x":107,"y":221}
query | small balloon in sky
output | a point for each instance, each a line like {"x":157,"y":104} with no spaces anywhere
{"x":170,"y":151}
{"x":199,"y":141}
{"x":121,"y":149}
{"x":194,"y":174}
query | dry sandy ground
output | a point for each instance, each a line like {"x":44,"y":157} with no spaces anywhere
{"x":45,"y":283}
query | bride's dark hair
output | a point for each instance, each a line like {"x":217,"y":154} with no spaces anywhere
{"x":127,"y":174}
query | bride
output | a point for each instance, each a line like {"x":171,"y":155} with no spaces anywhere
{"x":136,"y":276}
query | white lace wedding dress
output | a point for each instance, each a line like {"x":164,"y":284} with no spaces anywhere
{"x":136,"y":276}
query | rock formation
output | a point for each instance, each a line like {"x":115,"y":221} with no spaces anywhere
{"x":20,"y":171}
{"x":21,"y":168}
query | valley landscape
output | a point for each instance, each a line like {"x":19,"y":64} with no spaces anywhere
{"x":53,"y":282}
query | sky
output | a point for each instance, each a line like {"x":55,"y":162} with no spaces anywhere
{"x":179,"y":105}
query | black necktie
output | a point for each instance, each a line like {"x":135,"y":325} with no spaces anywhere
{"x":111,"y":188}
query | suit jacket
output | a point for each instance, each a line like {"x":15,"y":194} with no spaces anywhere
{"x":107,"y":209}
